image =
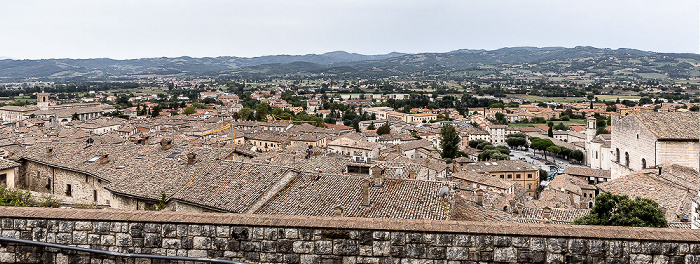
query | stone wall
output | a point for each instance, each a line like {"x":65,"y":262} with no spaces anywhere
{"x":300,"y":239}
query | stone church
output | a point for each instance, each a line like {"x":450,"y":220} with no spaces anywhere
{"x":647,"y":139}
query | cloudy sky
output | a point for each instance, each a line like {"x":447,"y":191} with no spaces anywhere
{"x":33,"y":29}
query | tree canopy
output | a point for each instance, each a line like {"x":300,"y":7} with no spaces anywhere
{"x":619,"y":210}
{"x":384,"y":129}
{"x":450,"y":141}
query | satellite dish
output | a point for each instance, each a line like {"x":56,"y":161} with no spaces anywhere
{"x":444,"y":191}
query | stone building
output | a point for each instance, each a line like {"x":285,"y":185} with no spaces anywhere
{"x":646,"y":139}
{"x":526,"y":174}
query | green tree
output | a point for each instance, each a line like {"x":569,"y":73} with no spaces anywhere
{"x":577,"y":155}
{"x":516,"y":140}
{"x":384,"y":129}
{"x":561,"y":126}
{"x":501,"y":118}
{"x":619,"y":210}
{"x":189,"y":110}
{"x":156,"y":110}
{"x":371,"y":127}
{"x":245,"y":113}
{"x":476,"y":142}
{"x":450,"y":141}
{"x":261,"y":111}
{"x":550,"y":133}
{"x":74,"y":116}
{"x":503,"y":149}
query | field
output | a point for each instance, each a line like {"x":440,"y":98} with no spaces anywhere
{"x":570,"y":122}
{"x":602,"y":97}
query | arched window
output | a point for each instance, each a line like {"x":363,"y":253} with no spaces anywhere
{"x":627,"y":159}
{"x":617,"y":155}
{"x":644,"y":164}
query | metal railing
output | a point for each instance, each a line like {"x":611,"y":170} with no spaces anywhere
{"x":116,"y":254}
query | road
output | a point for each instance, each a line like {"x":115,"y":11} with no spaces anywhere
{"x":527,"y":155}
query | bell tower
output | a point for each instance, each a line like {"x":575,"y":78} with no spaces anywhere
{"x":42,"y":101}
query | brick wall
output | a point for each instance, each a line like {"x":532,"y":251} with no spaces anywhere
{"x":300,"y":239}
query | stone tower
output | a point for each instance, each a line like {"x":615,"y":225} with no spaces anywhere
{"x":42,"y":101}
{"x":590,"y":134}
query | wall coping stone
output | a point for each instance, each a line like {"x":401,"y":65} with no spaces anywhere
{"x":384,"y":224}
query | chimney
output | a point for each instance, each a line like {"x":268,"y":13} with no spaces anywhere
{"x":104,"y":158}
{"x":338,"y":211}
{"x":480,"y":197}
{"x":365,"y":193}
{"x":547,"y":213}
{"x":191,"y":158}
{"x":144,"y":140}
{"x":377,"y":179}
{"x":49,"y":151}
{"x":512,"y":205}
{"x":166,"y":143}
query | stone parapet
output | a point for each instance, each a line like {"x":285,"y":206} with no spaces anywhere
{"x":301,"y":239}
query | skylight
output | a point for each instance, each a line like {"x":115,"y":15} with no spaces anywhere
{"x":95,"y":158}
{"x":173,"y":155}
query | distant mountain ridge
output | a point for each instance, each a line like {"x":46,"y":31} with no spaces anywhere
{"x":341,"y":63}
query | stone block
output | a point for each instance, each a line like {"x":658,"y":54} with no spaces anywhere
{"x":415,"y":250}
{"x":136,"y":229}
{"x":151,"y":228}
{"x":303,"y":247}
{"x":462,"y":240}
{"x":83,"y":226}
{"x":65,"y":226}
{"x":380,"y":235}
{"x":152,"y":240}
{"x":80,"y":237}
{"x":457,"y":253}
{"x":555,"y":258}
{"x":268,"y":246}
{"x":107,"y":240}
{"x":239,"y":233}
{"x":197,"y":253}
{"x":271,"y":233}
{"x":556,"y":245}
{"x":292,"y":259}
{"x":123,"y":240}
{"x":64,"y":238}
{"x":258,"y":233}
{"x":200,"y":242}
{"x":194,"y":230}
{"x":172,"y":243}
{"x":221,"y":243}
{"x":578,"y":246}
{"x":291,"y":233}
{"x":505,"y":254}
{"x":323,"y":247}
{"x":531,"y":256}
{"x":345,"y":247}
{"x":309,"y":259}
{"x":169,"y":230}
{"x":398,"y":238}
{"x":381,"y":248}
{"x":640,"y":259}
{"x":501,"y":241}
{"x":437,"y":253}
